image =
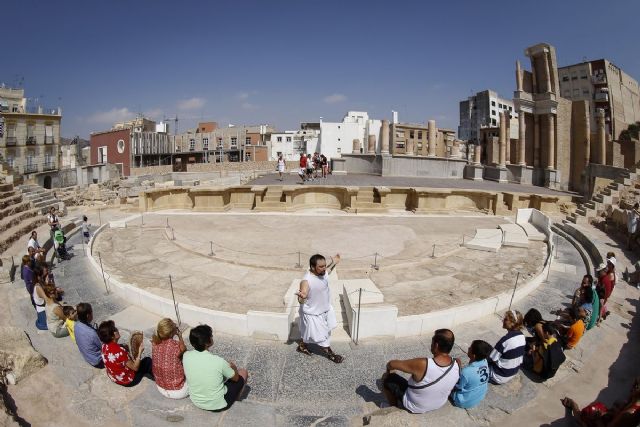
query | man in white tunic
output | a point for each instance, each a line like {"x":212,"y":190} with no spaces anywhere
{"x":317,"y":317}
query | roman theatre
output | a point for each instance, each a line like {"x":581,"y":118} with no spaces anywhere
{"x":412,"y":257}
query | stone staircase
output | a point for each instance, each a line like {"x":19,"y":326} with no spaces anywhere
{"x":607,"y":197}
{"x":39,"y":197}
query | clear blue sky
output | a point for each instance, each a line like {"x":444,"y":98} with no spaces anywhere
{"x":284,"y":61}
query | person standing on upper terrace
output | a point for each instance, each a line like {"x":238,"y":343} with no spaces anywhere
{"x":317,"y":316}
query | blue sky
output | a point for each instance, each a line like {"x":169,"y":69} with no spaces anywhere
{"x":284,"y":61}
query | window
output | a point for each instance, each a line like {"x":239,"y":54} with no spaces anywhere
{"x":279,"y":139}
{"x":493,"y":112}
{"x":510,"y":108}
{"x":493,"y":122}
{"x":419,"y":134}
{"x":192,"y":144}
{"x":500,"y":106}
{"x":102,"y":154}
{"x":493,"y":103}
{"x":205,"y":144}
{"x":219,"y":142}
{"x":120,"y":146}
{"x":585,"y":92}
{"x":411,"y":134}
{"x":288,"y":139}
{"x":247,"y":141}
{"x":234,"y":141}
{"x":339,"y":150}
{"x":565,"y":78}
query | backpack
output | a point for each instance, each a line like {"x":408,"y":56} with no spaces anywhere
{"x":552,"y":358}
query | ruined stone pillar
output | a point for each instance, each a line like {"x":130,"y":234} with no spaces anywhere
{"x":551,"y":159}
{"x":433,"y":134}
{"x":384,"y":137}
{"x":502,"y":153}
{"x":587,"y":151}
{"x":602,"y":137}
{"x":356,"y":146}
{"x":477,"y":154}
{"x":371,"y":146}
{"x":507,"y":136}
{"x":518,"y":77}
{"x":522,"y":132}
{"x":536,"y":140}
{"x":547,"y":71}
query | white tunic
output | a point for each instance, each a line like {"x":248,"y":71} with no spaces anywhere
{"x":317,"y":317}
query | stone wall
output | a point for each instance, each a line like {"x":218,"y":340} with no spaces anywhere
{"x":215,"y":167}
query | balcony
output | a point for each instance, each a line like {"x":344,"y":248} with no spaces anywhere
{"x":48,"y":166}
{"x":598,"y":79}
{"x":30,"y":168}
{"x":601,"y":97}
{"x":31,"y":140}
{"x":12,"y":141}
{"x":48,"y":140}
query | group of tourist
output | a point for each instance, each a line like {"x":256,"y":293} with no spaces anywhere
{"x":311,"y":166}
{"x":211,"y":382}
{"x":214,"y":384}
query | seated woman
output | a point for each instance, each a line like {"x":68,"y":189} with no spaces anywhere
{"x":474,"y":378}
{"x":54,"y":312}
{"x":47,"y":278}
{"x":506,"y":357}
{"x":120,"y":367}
{"x":587,"y":282}
{"x":533,"y":321}
{"x":167,"y":360}
{"x":38,"y":296}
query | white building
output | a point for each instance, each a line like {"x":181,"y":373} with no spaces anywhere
{"x":292,"y":143}
{"x":337,"y":137}
{"x":482,"y":110}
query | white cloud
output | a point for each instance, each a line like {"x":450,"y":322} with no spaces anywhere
{"x":242,"y":96}
{"x":110,"y":117}
{"x":191,"y":104}
{"x":248,"y":106}
{"x":334,"y":98}
{"x":154,"y":113}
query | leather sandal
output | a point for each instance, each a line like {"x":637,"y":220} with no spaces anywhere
{"x":335,"y":358}
{"x":302,"y":348}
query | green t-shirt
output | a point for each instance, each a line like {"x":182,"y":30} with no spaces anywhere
{"x":206,"y":374}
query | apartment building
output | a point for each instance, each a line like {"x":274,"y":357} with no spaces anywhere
{"x":482,"y":110}
{"x":337,"y":137}
{"x":29,"y":135}
{"x":605,"y":86}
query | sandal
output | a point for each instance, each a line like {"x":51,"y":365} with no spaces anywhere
{"x":303,"y":349}
{"x":134,"y":343}
{"x":335,"y":358}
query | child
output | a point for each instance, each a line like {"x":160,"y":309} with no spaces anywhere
{"x":572,"y":334}
{"x":474,"y":378}
{"x":70,"y":321}
{"x":545,"y":359}
{"x":85,"y":229}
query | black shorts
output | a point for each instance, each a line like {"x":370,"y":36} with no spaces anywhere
{"x":233,"y":392}
{"x":397,"y":386}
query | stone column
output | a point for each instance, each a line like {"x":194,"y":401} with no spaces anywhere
{"x":384,"y":137}
{"x":518,"y":77}
{"x":536,"y":140}
{"x":502,"y":152}
{"x":356,"y":146}
{"x":547,"y":71}
{"x":551,"y":147}
{"x":507,"y":136}
{"x":371,"y":146}
{"x":432,"y":138}
{"x":477,"y":154}
{"x":522,"y":132}
{"x":587,"y":151}
{"x":602,"y":137}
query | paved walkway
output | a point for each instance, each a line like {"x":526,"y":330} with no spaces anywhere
{"x":393,"y":181}
{"x":287,"y":388}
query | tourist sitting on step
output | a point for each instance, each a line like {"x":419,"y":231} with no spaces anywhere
{"x":33,"y":243}
{"x":55,"y":314}
{"x":506,"y":357}
{"x":214,"y":384}
{"x":86,"y":336}
{"x":533,"y":322}
{"x":28,"y":276}
{"x":431,"y":380}
{"x":123,"y":368}
{"x":545,"y":359}
{"x":587,"y":282}
{"x":571,"y":333}
{"x":621,"y":414}
{"x":167,"y":360}
{"x":47,"y":278}
{"x":474,"y":378}
{"x":71,"y":316}
{"x":605,"y":285}
{"x":39,"y":302}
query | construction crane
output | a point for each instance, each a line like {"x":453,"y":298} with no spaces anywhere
{"x":175,"y":123}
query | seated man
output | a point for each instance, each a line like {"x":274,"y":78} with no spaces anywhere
{"x":86,"y":336}
{"x":214,"y":384}
{"x":33,"y":243}
{"x":431,"y":380}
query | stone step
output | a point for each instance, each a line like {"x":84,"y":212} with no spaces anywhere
{"x":14,"y":208}
{"x":616,"y":186}
{"x":578,"y":219}
{"x":584,"y":211}
{"x":16,"y":218}
{"x":622,"y":180}
{"x":10,"y":201}
{"x":44,"y":202}
{"x":610,"y":192}
{"x":23,"y":229}
{"x":601,"y":198}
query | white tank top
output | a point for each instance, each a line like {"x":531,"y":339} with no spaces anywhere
{"x":319,"y":298}
{"x":433,"y":397}
{"x":40,"y":306}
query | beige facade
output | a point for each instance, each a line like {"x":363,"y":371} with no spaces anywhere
{"x":413,"y":139}
{"x":605,"y":86}
{"x":29,"y":136}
